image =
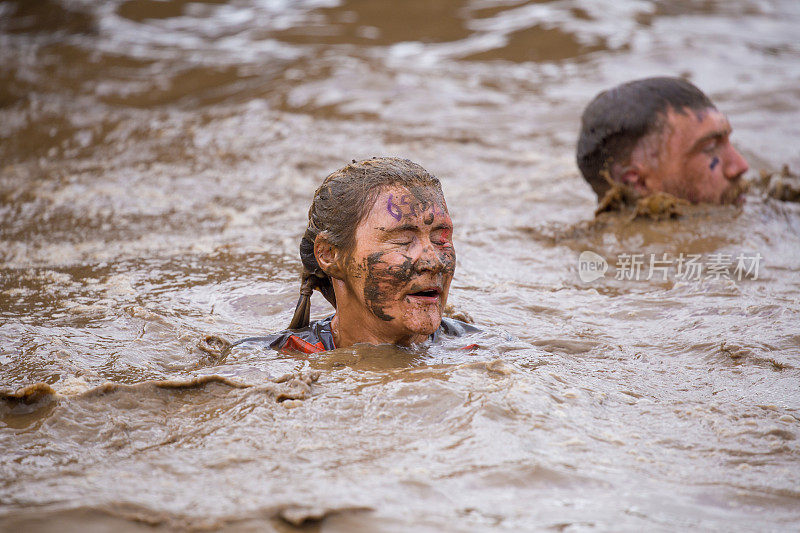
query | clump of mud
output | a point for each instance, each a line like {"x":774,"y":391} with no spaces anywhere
{"x":656,"y":206}
{"x":214,"y":347}
{"x":620,"y":207}
{"x":659,"y":206}
{"x":451,"y":312}
{"x":617,"y":198}
{"x":783,"y":185}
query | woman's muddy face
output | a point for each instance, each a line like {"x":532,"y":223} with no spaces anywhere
{"x":403,"y":261}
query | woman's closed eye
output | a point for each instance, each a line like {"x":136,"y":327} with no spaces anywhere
{"x":401,"y":238}
{"x":442,"y":236}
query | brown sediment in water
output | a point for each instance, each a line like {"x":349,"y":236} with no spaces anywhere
{"x":29,"y":394}
{"x":34,"y":403}
{"x":303,"y":515}
{"x":496,"y":367}
{"x":133,"y":518}
{"x":21,"y":408}
{"x":166,"y":384}
{"x":783,"y":185}
{"x":162,"y":170}
{"x":287,"y":386}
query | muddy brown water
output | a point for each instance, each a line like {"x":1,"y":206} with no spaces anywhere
{"x":157,"y":160}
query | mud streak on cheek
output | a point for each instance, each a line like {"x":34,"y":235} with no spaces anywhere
{"x":448,"y":260}
{"x":383,"y":281}
{"x":353,"y":269}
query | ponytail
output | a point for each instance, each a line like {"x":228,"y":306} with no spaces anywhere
{"x":313,"y":277}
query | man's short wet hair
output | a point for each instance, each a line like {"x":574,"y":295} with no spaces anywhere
{"x":616,"y":119}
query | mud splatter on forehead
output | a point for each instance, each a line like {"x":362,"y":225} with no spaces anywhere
{"x":422,"y":201}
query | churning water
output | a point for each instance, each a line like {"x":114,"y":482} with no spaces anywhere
{"x":157,"y":160}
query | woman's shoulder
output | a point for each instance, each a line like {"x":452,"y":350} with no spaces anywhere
{"x":316,"y":337}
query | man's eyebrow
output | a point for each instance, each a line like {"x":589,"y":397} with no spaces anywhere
{"x":716,"y":134}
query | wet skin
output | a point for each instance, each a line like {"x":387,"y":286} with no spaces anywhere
{"x":693,"y":158}
{"x":392,"y":287}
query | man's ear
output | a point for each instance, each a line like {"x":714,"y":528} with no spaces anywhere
{"x":329,"y":257}
{"x":635,"y":177}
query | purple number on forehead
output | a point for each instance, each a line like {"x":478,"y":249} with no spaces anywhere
{"x":404,"y":201}
{"x":393,"y":209}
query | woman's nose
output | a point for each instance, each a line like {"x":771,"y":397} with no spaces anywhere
{"x":428,"y":258}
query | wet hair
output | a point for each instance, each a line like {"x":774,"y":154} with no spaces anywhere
{"x":616,"y":119}
{"x":340,"y":203}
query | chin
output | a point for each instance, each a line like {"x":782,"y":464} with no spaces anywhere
{"x":423,"y":325}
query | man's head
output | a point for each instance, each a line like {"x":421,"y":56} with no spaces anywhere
{"x":660,"y":135}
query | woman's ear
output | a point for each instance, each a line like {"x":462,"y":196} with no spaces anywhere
{"x":329,"y":257}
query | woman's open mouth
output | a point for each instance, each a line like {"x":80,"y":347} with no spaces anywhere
{"x":428,"y":294}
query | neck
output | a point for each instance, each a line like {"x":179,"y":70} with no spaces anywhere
{"x":347,"y":332}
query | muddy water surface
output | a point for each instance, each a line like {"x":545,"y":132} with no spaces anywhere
{"x":157,"y":160}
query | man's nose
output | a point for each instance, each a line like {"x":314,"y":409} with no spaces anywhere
{"x":735,"y":164}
